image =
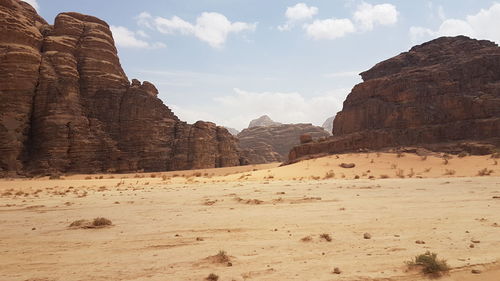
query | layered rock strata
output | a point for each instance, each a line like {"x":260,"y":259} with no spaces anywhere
{"x":446,"y":91}
{"x":66,"y":104}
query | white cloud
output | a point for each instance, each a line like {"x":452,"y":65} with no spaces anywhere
{"x":212,"y":28}
{"x":329,"y":28}
{"x":299,"y":12}
{"x":144,"y":20}
{"x":483,"y":25}
{"x":126,"y":38}
{"x":367,"y":15}
{"x":33,"y":3}
{"x":238,"y":109}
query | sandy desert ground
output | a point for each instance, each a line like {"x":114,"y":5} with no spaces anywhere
{"x":170,"y":226}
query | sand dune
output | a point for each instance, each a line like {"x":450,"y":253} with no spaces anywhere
{"x":169,"y":226}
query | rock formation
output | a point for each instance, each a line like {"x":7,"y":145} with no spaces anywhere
{"x":67,"y":106}
{"x":442,"y":92}
{"x":328,"y":124}
{"x":232,"y":131}
{"x":263,"y":121}
{"x":265,"y":144}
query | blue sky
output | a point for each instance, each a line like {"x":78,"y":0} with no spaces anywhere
{"x":230,"y":61}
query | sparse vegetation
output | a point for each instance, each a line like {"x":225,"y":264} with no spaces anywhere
{"x":326,"y":237}
{"x":306,"y":239}
{"x":429,"y":264}
{"x":329,"y":175}
{"x":484,"y":172}
{"x":463,"y":154}
{"x":100,"y":221}
{"x":423,"y":158}
{"x":449,"y":172}
{"x":384,"y":176}
{"x":222,"y":257}
{"x":212,"y":277}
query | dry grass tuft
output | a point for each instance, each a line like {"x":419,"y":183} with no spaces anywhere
{"x":484,"y":172}
{"x":429,"y":264}
{"x":212,"y":277}
{"x":98,"y":222}
{"x":449,"y":172}
{"x":306,"y":239}
{"x":326,"y":237}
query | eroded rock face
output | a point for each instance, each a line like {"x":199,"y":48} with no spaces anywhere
{"x":272,"y":143}
{"x":67,"y":106}
{"x":446,"y":90}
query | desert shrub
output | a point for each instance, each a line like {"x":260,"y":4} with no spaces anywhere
{"x":55,"y":177}
{"x":98,"y":222}
{"x":306,"y":239}
{"x":495,"y":155}
{"x":88,"y":177}
{"x":463,"y":154}
{"x":423,"y":158}
{"x":384,"y":176}
{"x":449,"y":172}
{"x":484,"y":172}
{"x":197,"y":174}
{"x":429,"y":263}
{"x":212,"y":277}
{"x":326,"y":237}
{"x":221,"y":257}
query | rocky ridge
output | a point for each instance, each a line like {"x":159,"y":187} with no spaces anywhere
{"x":265,"y":144}
{"x":66,"y":104}
{"x":442,"y":93}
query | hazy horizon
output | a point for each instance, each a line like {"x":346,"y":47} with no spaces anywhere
{"x":232,"y":61}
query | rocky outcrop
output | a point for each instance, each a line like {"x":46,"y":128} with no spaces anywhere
{"x":328,"y":124}
{"x":263,"y":121}
{"x":443,"y":91}
{"x":67,"y":106}
{"x":272,"y":143}
{"x":232,"y":131}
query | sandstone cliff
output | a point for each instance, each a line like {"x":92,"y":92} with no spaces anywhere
{"x":265,"y":144}
{"x":443,"y":91}
{"x":66,"y":104}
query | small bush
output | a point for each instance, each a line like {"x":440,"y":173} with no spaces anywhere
{"x":326,"y":237}
{"x":99,"y":222}
{"x":449,"y":172}
{"x":429,"y":263}
{"x":212,"y":277}
{"x":484,"y":172}
{"x":306,"y":239}
{"x":463,"y":154}
{"x":222,"y":257}
{"x":384,"y":176}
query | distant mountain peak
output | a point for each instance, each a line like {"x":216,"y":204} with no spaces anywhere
{"x":263,"y":121}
